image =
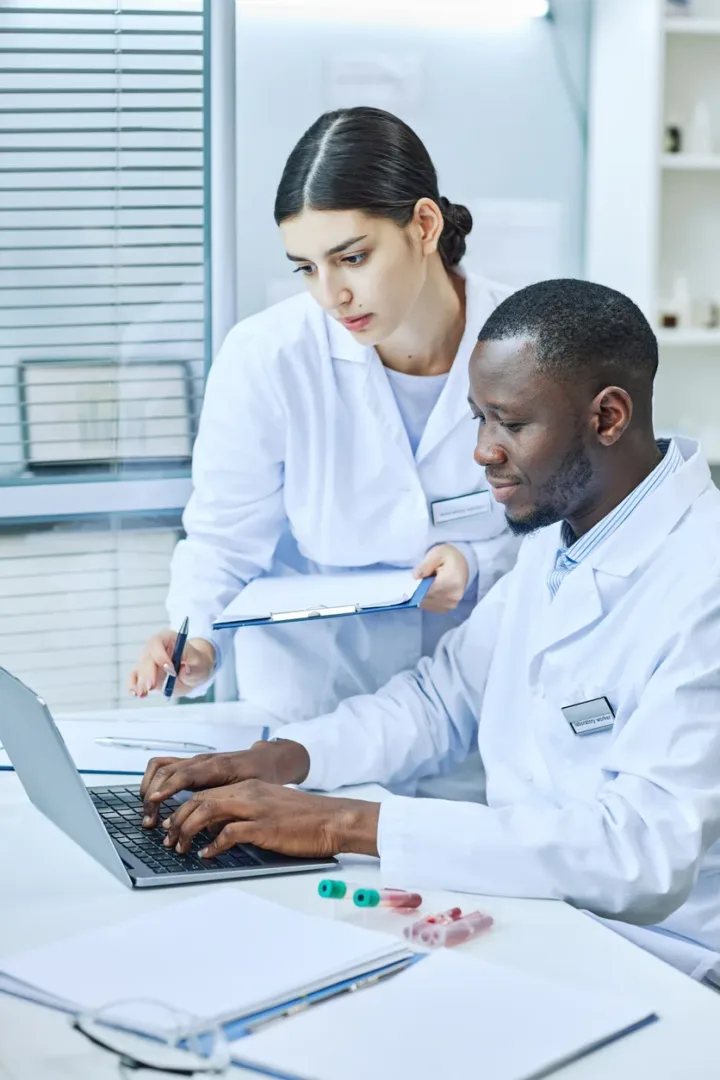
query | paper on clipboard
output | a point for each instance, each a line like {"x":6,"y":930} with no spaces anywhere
{"x":286,"y":598}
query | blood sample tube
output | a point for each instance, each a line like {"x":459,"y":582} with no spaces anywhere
{"x":456,"y":932}
{"x":387,"y":898}
{"x":443,"y":918}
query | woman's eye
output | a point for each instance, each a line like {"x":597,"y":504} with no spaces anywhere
{"x":355,"y":260}
{"x":307,"y":270}
{"x":513,"y":427}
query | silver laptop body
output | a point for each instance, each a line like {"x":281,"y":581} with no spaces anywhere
{"x":102,"y":819}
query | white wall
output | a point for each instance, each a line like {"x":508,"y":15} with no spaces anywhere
{"x":491,"y":108}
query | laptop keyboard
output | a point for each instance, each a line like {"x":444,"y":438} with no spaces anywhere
{"x":121,"y":811}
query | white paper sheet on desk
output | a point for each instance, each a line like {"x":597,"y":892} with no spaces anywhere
{"x":303,"y":592}
{"x":447,"y":1016}
{"x":241,"y":954}
{"x":89,"y":757}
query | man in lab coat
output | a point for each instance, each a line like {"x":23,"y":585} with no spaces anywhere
{"x":590,"y":675}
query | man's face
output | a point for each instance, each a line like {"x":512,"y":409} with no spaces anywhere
{"x":534,"y":438}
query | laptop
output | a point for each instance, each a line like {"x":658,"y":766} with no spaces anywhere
{"x":106,"y":821}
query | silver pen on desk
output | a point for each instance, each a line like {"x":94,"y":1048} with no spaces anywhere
{"x":153,"y":744}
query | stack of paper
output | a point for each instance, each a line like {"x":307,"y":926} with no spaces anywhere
{"x":446,"y":1016}
{"x":151,"y":738}
{"x":248,"y":955}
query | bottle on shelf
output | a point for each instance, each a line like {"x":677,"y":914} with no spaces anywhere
{"x":682,"y":301}
{"x":700,"y":136}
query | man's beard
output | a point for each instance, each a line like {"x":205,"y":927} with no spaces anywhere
{"x":559,"y":495}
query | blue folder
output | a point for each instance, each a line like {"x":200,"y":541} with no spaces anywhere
{"x":282,"y":617}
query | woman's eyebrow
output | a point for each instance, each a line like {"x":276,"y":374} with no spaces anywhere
{"x":333,"y":250}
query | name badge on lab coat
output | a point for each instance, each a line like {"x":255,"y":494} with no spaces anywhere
{"x":462,"y":506}
{"x":588,"y":717}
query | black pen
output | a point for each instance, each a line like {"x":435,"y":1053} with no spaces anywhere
{"x":180,"y":643}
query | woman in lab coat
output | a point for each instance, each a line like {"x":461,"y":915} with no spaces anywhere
{"x":335,"y":428}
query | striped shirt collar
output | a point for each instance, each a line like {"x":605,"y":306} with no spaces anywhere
{"x":574,"y":551}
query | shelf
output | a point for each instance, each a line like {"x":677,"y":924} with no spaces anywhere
{"x":691,"y":162}
{"x":695,"y":338}
{"x":689,"y":24}
{"x":54,"y":501}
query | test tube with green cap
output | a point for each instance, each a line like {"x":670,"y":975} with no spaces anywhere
{"x":335,"y":889}
{"x":387,"y":898}
{"x":332,"y":889}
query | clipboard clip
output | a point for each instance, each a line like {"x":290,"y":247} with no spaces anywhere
{"x":383,"y":604}
{"x":321,"y":612}
{"x":313,"y":613}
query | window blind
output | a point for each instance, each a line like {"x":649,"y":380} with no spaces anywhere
{"x":103,"y":315}
{"x":102,"y":234}
{"x":75,"y":606}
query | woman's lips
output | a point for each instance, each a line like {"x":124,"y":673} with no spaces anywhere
{"x":358,"y":323}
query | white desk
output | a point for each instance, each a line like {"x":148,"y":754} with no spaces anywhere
{"x":49,"y":888}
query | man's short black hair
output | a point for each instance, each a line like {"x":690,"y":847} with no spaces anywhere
{"x":578,"y":327}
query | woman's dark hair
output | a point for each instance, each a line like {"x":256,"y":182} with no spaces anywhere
{"x":367,"y":159}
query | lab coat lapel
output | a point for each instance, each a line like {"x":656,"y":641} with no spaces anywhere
{"x":375,"y":386}
{"x":452,"y":406}
{"x":576,"y":605}
{"x":381,"y":400}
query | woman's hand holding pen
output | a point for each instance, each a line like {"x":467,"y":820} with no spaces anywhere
{"x":450,"y":568}
{"x":198,"y":664}
{"x":279,"y":762}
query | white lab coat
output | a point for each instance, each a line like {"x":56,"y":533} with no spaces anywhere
{"x":624,"y":823}
{"x":301,"y":445}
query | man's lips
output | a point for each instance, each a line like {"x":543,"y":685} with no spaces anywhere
{"x":503,"y":490}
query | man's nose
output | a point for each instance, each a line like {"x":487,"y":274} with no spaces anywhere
{"x":487,"y":450}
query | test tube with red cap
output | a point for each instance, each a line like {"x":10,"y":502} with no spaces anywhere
{"x":443,"y":918}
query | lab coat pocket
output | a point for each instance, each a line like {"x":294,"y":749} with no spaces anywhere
{"x":574,"y":758}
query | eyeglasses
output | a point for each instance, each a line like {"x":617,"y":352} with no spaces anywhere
{"x":148,"y":1036}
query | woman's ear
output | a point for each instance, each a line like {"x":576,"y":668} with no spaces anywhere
{"x":427,"y":225}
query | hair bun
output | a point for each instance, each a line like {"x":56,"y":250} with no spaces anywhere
{"x":458,"y":223}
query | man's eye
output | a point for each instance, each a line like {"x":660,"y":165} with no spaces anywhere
{"x":513,"y":427}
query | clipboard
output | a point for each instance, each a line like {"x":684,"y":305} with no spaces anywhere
{"x":402,"y":602}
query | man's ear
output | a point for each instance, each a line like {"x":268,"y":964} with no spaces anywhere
{"x":612,"y":411}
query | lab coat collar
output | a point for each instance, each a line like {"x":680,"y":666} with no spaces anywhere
{"x":451,"y":407}
{"x":654,"y":519}
{"x":578,"y":603}
{"x":343,"y":345}
{"x":648,"y":525}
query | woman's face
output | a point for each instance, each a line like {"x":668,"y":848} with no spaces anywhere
{"x":366,"y":272}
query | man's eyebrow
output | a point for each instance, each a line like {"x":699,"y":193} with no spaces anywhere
{"x":488,"y":408}
{"x":333,"y":250}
